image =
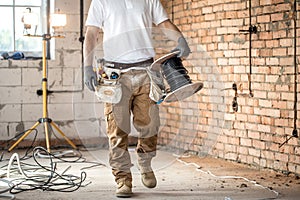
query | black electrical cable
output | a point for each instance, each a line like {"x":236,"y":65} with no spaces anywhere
{"x":295,"y":132}
{"x":175,"y":74}
{"x":252,"y":29}
{"x":250,"y":51}
{"x":53,"y":182}
{"x":81,"y":39}
{"x":48,"y":50}
{"x":16,"y":137}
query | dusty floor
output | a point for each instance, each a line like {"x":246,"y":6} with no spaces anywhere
{"x":185,"y":177}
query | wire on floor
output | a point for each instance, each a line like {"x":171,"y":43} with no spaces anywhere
{"x":45,"y":176}
{"x":198,"y":168}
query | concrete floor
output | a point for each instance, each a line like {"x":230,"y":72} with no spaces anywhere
{"x":185,"y":177}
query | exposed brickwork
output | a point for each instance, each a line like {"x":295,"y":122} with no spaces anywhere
{"x":251,"y":135}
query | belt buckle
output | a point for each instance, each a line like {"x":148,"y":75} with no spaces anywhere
{"x":110,"y":65}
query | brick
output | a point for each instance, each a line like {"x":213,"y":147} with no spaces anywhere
{"x":286,"y":42}
{"x":265,"y":52}
{"x":272,"y":61}
{"x":222,"y":31}
{"x":265,"y":2}
{"x":217,"y":8}
{"x":210,"y":17}
{"x":246,"y":142}
{"x":263,"y":18}
{"x":277,"y":17}
{"x":207,"y":10}
{"x":281,"y":157}
{"x":254,"y":135}
{"x":268,"y":155}
{"x":240,"y":53}
{"x":231,"y":156}
{"x":254,"y":152}
{"x":287,"y":96}
{"x":243,"y":150}
{"x":271,"y":78}
{"x":232,"y":22}
{"x":286,"y":61}
{"x":259,"y":144}
{"x":265,"y":36}
{"x":279,"y":34}
{"x":260,"y":94}
{"x":222,"y":61}
{"x":234,"y":61}
{"x":254,"y":119}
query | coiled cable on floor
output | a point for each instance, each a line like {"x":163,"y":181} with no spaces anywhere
{"x":47,"y":178}
{"x":4,"y":190}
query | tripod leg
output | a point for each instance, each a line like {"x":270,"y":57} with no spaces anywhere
{"x":47,"y":136}
{"x":62,"y":134}
{"x":24,"y":136}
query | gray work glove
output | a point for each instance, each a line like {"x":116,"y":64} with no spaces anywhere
{"x":182,"y":47}
{"x":90,"y":78}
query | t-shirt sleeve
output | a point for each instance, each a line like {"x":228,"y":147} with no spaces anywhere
{"x":158,"y":12}
{"x":95,"y":14}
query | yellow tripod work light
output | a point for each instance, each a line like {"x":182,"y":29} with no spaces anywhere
{"x":45,"y":120}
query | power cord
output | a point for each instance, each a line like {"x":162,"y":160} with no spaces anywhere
{"x":4,"y":190}
{"x":9,"y":141}
{"x":198,"y":168}
{"x":48,"y":179}
{"x":37,"y":176}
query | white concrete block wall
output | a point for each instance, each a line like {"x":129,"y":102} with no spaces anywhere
{"x":11,"y":95}
{"x":10,"y":113}
{"x":31,"y":76}
{"x":78,"y":114}
{"x":10,"y":76}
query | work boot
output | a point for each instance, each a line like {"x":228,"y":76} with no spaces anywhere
{"x":124,"y":189}
{"x":149,"y":180}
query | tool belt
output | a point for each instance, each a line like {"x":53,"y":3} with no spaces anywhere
{"x":109,"y":89}
{"x":121,"y":66}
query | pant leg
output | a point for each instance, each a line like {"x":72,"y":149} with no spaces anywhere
{"x":118,"y":128}
{"x":146,"y":121}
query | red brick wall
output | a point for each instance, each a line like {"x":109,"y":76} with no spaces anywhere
{"x":206,"y":122}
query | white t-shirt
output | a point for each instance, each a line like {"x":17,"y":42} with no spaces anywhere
{"x":127,"y":27}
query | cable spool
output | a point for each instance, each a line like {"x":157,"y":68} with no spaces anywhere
{"x":177,"y":77}
{"x":175,"y":74}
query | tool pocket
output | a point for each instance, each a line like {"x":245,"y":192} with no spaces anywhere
{"x":157,"y":90}
{"x":109,"y":89}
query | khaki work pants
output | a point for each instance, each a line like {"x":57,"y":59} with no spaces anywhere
{"x":135,"y":100}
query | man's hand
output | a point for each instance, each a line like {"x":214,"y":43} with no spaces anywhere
{"x":90,"y":78}
{"x":182,"y":47}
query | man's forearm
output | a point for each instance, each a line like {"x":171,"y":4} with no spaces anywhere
{"x":90,"y":43}
{"x":173,"y":33}
{"x":170,"y":30}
